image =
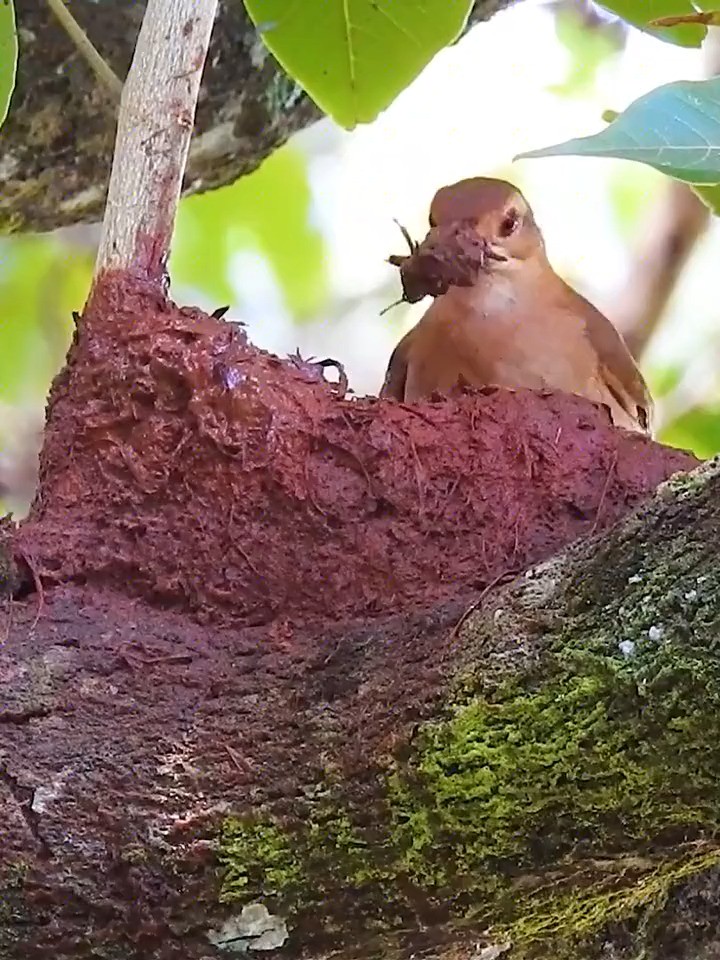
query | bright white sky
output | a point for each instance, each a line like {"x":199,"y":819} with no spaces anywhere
{"x":475,"y":107}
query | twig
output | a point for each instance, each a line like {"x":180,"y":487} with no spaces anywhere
{"x":606,"y":486}
{"x":505,"y":575}
{"x":102,"y":70}
{"x":157,"y":113}
{"x":8,"y":623}
{"x":37,"y":583}
{"x":240,"y":765}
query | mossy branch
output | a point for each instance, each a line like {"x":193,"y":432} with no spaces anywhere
{"x":568,"y":785}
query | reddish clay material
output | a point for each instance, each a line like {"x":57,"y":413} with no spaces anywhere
{"x":451,"y":255}
{"x":185,"y":466}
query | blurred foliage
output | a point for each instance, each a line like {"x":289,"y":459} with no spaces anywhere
{"x":697,"y":430}
{"x":354,"y":60}
{"x":8,"y":55}
{"x":41,"y":282}
{"x":633,"y":188}
{"x":268,"y":212}
{"x":42,"y":279}
{"x":589,"y":46}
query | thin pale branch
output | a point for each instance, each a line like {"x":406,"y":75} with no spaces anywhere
{"x":156,"y":119}
{"x":95,"y":61}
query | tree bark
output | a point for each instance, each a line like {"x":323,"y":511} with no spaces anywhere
{"x":56,"y":145}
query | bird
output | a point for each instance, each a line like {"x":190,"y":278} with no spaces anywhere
{"x":511,"y":321}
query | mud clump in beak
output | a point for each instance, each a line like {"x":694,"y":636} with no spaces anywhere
{"x":451,"y":255}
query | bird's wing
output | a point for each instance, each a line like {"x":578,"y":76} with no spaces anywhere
{"x":616,"y":366}
{"x":396,"y":375}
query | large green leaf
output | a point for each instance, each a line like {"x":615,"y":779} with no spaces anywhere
{"x":675,"y":128}
{"x":641,"y":12}
{"x":355,"y":56}
{"x":8,"y":55}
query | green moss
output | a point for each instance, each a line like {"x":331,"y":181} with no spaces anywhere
{"x":135,"y":854}
{"x":684,"y":484}
{"x":545,"y":805}
{"x":299,"y":867}
{"x":10,"y":223}
{"x":608,"y":752}
{"x":282,"y":94}
{"x":258,"y":856}
{"x":13,"y":905}
{"x":601,"y":753}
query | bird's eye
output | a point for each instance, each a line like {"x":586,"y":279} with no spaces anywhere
{"x":509,"y":222}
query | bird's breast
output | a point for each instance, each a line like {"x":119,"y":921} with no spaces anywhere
{"x":520,"y":340}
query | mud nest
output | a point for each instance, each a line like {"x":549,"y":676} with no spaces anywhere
{"x":186,"y":466}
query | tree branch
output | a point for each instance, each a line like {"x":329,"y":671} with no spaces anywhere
{"x":157,"y":113}
{"x":85,"y":47}
{"x":540,"y":782}
{"x":666,"y":242}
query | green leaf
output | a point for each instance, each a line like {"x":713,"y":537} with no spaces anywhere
{"x":353,"y":57}
{"x":675,"y":129}
{"x":710,"y":196}
{"x":641,"y":12}
{"x":8,"y":56}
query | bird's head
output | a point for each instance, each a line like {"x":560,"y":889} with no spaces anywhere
{"x":499,"y":214}
{"x":478,"y":227}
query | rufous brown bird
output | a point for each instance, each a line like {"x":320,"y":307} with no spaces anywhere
{"x":502,"y":316}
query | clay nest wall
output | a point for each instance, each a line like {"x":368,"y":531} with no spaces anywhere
{"x":243,"y":595}
{"x":186,"y":466}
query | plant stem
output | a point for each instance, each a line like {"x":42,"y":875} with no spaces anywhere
{"x":157,"y":113}
{"x":99,"y":66}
